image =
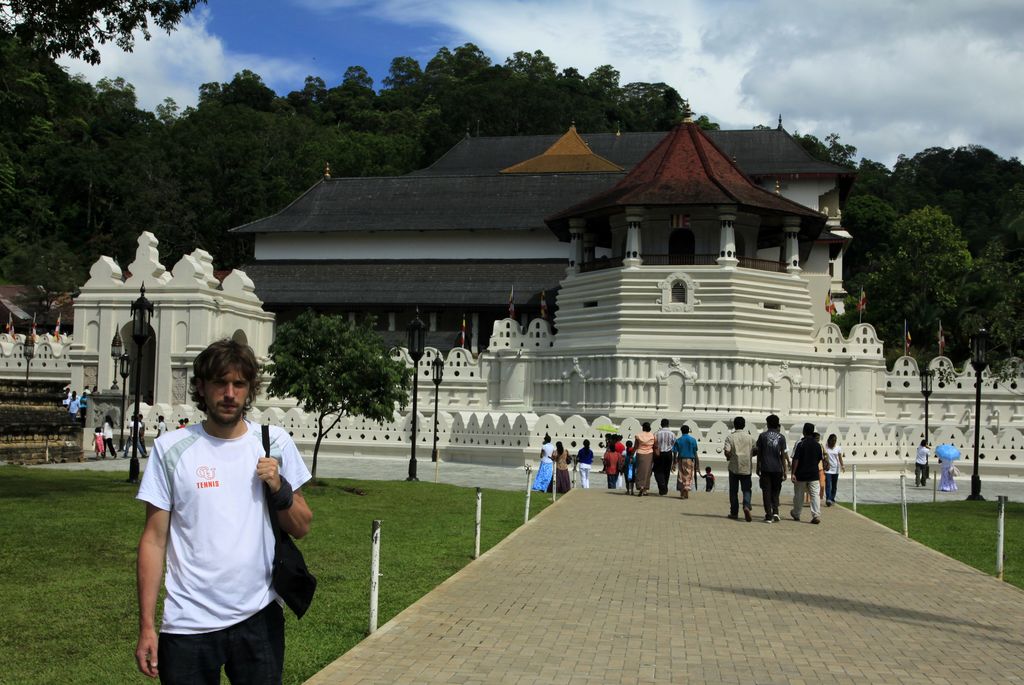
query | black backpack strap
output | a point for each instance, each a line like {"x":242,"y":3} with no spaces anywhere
{"x":265,"y":430}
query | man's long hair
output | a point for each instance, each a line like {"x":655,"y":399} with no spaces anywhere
{"x":220,"y":358}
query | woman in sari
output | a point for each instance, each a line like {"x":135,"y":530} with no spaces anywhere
{"x":542,"y":481}
{"x":561,"y":458}
{"x":644,"y":443}
{"x":947,"y":481}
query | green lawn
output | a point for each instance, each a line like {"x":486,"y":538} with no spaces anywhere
{"x":963,"y":530}
{"x":67,"y":567}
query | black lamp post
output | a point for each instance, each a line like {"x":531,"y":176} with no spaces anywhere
{"x":116,"y":350}
{"x":926,"y":391}
{"x":437,"y":369}
{"x":979,"y":360}
{"x":417,"y":335}
{"x":142,"y":312}
{"x":124,"y":368}
{"x":29,"y":352}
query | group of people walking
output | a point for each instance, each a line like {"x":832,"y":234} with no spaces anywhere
{"x":812,"y":468}
{"x":633,"y":462}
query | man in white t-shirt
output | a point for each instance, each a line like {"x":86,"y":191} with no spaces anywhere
{"x":921,"y":464}
{"x":207,"y":517}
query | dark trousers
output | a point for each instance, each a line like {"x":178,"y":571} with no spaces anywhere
{"x":738,"y":482}
{"x":920,"y":474}
{"x":250,"y":652}
{"x":613,"y":479}
{"x":662,"y":468}
{"x":831,"y":485}
{"x":771,"y":486}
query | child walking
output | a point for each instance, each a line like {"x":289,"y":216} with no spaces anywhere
{"x":99,"y":443}
{"x":709,"y":479}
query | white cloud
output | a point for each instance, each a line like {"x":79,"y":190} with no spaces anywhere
{"x":889,"y":77}
{"x":176,"y":64}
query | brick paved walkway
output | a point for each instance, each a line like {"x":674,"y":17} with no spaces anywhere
{"x":656,"y":601}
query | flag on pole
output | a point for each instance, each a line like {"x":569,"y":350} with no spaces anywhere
{"x":56,"y":330}
{"x":942,"y":340}
{"x":511,"y":304}
{"x":906,"y":339}
{"x":862,"y":304}
{"x":543,"y":306}
{"x":33,"y":326}
{"x":830,"y":306}
{"x":9,"y":330}
{"x":462,"y":333}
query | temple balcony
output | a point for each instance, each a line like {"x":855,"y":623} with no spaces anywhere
{"x":684,"y":260}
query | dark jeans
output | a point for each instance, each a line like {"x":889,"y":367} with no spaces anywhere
{"x":771,"y":486}
{"x":662,"y":468}
{"x":831,"y":484}
{"x":250,"y":652}
{"x":736,"y":483}
{"x":613,"y":478}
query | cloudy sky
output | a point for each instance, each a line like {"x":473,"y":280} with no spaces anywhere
{"x":890,"y":76}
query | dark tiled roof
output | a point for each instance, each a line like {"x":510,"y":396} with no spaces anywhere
{"x":763,"y":152}
{"x":483,"y":283}
{"x":407,"y":203}
{"x":686,"y":168}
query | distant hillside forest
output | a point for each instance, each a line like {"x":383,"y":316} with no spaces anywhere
{"x":83,"y":170}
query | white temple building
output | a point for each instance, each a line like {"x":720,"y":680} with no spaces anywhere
{"x":687,"y":290}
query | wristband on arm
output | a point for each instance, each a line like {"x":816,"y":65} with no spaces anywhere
{"x":283,"y":498}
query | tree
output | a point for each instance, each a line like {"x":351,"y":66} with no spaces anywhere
{"x":919,"y":277}
{"x":335,"y":368}
{"x":75,"y":28}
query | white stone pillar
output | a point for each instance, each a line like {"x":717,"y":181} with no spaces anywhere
{"x":727,"y":238}
{"x":588,"y":247}
{"x":576,"y":227}
{"x":791,"y":227}
{"x":634,"y":218}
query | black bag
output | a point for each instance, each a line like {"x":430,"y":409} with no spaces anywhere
{"x":289,"y":576}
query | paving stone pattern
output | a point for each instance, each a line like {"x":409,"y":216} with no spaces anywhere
{"x":652,"y":601}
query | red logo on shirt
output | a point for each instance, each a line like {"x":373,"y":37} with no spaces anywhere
{"x":207,"y":475}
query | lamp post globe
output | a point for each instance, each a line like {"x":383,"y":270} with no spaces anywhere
{"x":116,"y":350}
{"x":979,"y":360}
{"x":142,"y":314}
{"x":417,"y":343}
{"x":437,"y":375}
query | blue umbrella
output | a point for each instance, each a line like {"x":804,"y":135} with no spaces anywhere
{"x":947,"y":451}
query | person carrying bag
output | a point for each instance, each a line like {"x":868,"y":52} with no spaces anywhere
{"x":290,"y":576}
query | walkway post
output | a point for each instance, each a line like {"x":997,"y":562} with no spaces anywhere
{"x":374,"y":573}
{"x":1000,"y":536}
{"x":903,"y":502}
{"x":526,"y":516}
{"x":934,"y":488}
{"x":479,"y":510}
{"x":855,"y":487}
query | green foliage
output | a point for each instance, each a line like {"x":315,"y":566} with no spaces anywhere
{"x":334,"y":368}
{"x":916,"y":275}
{"x":829,"y":151}
{"x":76,"y":28}
{"x":88,"y":636}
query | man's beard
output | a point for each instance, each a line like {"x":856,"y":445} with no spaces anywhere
{"x":216,"y":417}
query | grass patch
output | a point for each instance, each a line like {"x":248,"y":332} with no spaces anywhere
{"x":965,"y":531}
{"x":67,"y":567}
